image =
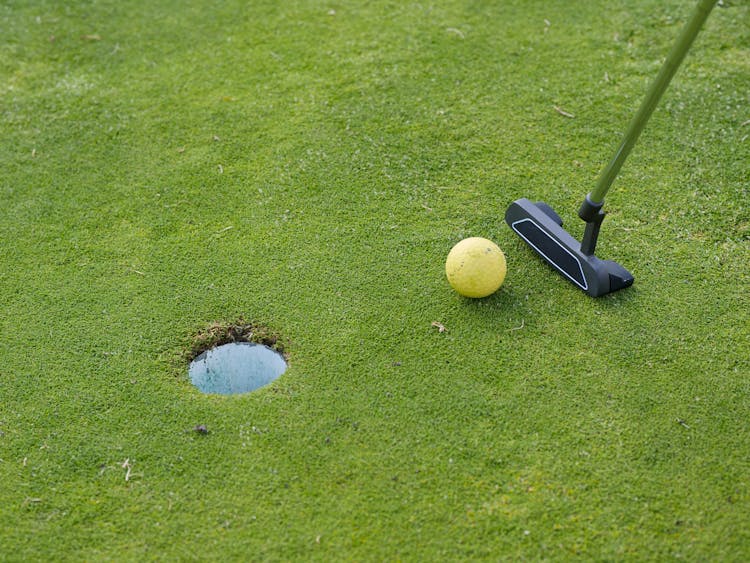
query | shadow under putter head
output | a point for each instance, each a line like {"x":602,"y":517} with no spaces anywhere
{"x":541,"y":228}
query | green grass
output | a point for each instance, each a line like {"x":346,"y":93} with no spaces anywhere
{"x":307,"y":166}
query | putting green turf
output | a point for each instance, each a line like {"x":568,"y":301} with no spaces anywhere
{"x":308,"y":166}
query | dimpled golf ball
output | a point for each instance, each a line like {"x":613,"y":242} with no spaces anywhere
{"x":476,"y":267}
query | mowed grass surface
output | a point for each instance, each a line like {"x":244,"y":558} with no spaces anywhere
{"x":308,"y":166}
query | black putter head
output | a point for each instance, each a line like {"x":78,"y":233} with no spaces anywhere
{"x":541,"y":228}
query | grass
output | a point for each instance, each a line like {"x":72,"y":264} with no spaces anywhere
{"x":171,"y":167}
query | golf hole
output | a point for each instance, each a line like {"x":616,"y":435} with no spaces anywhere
{"x":237,"y":367}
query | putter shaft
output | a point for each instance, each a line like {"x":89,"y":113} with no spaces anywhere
{"x":654,"y":94}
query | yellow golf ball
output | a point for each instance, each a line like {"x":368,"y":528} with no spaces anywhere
{"x":476,"y":267}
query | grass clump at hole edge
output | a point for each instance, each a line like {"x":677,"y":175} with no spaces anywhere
{"x":219,"y":333}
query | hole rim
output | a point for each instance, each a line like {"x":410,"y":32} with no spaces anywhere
{"x":231,"y":383}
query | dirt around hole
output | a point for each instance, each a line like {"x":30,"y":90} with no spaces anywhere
{"x":219,"y":333}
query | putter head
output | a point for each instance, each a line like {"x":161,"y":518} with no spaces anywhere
{"x":541,"y":228}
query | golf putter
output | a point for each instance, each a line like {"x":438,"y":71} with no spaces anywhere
{"x":541,"y":228}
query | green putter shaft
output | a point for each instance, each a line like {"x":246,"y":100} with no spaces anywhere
{"x":654,"y":94}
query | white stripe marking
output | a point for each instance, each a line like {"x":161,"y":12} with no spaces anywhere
{"x":583,"y":286}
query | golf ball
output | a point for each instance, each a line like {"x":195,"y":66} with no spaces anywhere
{"x":476,"y":267}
